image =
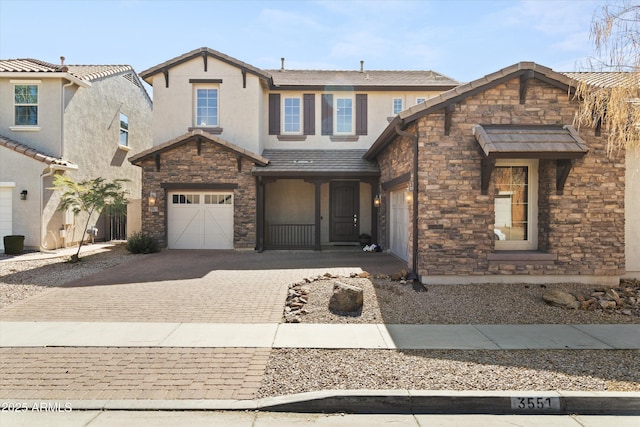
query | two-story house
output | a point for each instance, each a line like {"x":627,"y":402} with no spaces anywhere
{"x":251,"y":158}
{"x":81,"y":120}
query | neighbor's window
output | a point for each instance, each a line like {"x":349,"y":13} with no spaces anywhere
{"x":344,"y":115}
{"x":516,"y":206}
{"x":292,"y":115}
{"x":124,"y":130}
{"x":397,"y":105}
{"x":26,"y":105}
{"x":420,"y":100}
{"x":207,"y":107}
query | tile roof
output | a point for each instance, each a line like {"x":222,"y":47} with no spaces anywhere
{"x":195,"y":134}
{"x":509,"y":141}
{"x":82,"y":72}
{"x":317,"y":163}
{"x":203,"y":51}
{"x":606,"y":79}
{"x":366,"y":78}
{"x":460,"y":93}
{"x":33,"y":153}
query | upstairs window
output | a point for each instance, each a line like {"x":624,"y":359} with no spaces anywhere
{"x":26,"y":105}
{"x":292,"y":115}
{"x":124,"y":130}
{"x":207,"y":107}
{"x":420,"y":100}
{"x":397,"y":105}
{"x":344,"y":115}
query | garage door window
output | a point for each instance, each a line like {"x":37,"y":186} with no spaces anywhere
{"x":218,"y":199}
{"x":186,"y":199}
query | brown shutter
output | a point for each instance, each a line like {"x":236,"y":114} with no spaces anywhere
{"x":274,"y":114}
{"x":309,"y":114}
{"x":327,"y":114}
{"x":361,"y":114}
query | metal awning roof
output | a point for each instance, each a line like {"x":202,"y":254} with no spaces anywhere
{"x":536,"y":142}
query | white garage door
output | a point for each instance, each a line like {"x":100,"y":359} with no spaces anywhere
{"x":399,"y":229}
{"x":6,"y":217}
{"x":200,"y":220}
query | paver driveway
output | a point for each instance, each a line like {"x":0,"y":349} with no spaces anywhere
{"x":171,"y":286}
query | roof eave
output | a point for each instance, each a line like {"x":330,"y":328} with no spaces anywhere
{"x":45,"y":75}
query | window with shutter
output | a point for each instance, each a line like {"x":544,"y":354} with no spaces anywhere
{"x":327,"y":114}
{"x":309,"y":114}
{"x":274,"y":114}
{"x":361,"y":114}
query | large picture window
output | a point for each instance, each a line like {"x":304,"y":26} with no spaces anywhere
{"x":516,"y":205}
{"x":26,"y":105}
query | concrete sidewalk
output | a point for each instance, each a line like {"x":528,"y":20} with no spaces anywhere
{"x":322,"y":336}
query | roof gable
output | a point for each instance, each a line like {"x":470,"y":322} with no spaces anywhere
{"x":204,"y":53}
{"x":202,"y":136}
{"x":82,"y":72}
{"x":523,"y":70}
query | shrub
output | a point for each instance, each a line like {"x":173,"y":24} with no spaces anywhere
{"x":141,"y":243}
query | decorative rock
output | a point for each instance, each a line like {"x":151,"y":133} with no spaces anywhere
{"x":346,"y":298}
{"x":607,"y":305}
{"x":561,"y":299}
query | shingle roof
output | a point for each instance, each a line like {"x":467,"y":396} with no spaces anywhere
{"x":606,"y":79}
{"x":82,"y":72}
{"x":204,"y":136}
{"x":352,"y":78}
{"x":512,"y":141}
{"x":317,"y":163}
{"x":33,"y":153}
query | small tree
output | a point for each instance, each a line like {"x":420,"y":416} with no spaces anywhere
{"x":615,"y":103}
{"x":90,"y":196}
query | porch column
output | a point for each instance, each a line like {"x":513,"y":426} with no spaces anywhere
{"x":375,"y":189}
{"x":317,"y":245}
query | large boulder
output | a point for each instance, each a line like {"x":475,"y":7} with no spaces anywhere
{"x":561,"y":299}
{"x":345,"y":298}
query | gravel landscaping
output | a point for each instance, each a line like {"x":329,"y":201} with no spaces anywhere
{"x":389,"y":301}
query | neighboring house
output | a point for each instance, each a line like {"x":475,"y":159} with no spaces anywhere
{"x":247,"y":158}
{"x":497,"y":186}
{"x":80,"y":120}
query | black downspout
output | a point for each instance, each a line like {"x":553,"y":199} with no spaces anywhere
{"x":413,"y":274}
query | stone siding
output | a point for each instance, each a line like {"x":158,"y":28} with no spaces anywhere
{"x":183,"y":164}
{"x":584,"y":226}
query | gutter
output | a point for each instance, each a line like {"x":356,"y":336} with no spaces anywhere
{"x":413,"y":274}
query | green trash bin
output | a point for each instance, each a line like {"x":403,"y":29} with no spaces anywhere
{"x":13,"y":245}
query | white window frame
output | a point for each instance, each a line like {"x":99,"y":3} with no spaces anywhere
{"x":420,"y":100}
{"x":395,"y":110}
{"x":124,"y":130}
{"x":196,"y":88}
{"x":35,"y":83}
{"x":284,"y":115}
{"x":531,"y":244}
{"x":352,"y":131}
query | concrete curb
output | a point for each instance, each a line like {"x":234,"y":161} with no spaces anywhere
{"x":388,"y":402}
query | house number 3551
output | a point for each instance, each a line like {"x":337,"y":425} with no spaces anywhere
{"x":535,"y":403}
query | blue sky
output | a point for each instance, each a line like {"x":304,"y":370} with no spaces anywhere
{"x":462,"y":39}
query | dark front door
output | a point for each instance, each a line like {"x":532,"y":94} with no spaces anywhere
{"x":345,"y":213}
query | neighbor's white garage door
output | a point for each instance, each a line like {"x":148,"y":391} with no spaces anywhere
{"x":200,"y":220}
{"x":399,"y":220}
{"x":6,"y":217}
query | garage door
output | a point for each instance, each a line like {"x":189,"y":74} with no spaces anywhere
{"x":200,"y":220}
{"x":6,"y":218}
{"x":399,"y":221}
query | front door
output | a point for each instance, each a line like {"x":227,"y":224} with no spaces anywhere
{"x":345,"y":212}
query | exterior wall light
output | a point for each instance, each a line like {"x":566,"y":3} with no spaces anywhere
{"x":23,"y":195}
{"x":376,"y":201}
{"x":152,"y":199}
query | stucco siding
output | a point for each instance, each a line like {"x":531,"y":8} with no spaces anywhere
{"x":239,"y":107}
